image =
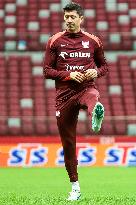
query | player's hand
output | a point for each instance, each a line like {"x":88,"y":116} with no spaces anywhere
{"x":77,"y":76}
{"x":90,"y":74}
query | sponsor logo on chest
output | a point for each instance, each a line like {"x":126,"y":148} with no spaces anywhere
{"x":74,"y":67}
{"x":75,"y":55}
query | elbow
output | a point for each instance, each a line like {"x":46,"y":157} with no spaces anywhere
{"x":45,"y":73}
{"x":107,"y":69}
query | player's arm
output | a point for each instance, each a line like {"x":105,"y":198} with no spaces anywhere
{"x":100,"y":61}
{"x":49,"y":65}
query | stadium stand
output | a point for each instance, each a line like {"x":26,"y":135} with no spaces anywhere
{"x":27,"y":101}
{"x":34,"y":21}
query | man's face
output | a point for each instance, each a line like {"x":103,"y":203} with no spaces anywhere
{"x":72,"y":20}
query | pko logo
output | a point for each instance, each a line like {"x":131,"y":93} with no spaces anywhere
{"x":28,"y":155}
{"x":124,"y":155}
{"x":75,"y":55}
{"x":85,"y":154}
{"x":74,"y":67}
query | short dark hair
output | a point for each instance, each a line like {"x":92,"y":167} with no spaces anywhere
{"x":74,"y":6}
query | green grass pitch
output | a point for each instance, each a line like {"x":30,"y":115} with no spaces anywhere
{"x":49,"y":186}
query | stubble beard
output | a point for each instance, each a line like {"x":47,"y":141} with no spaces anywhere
{"x":72,"y":28}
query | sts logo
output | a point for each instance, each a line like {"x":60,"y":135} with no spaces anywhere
{"x":28,"y":155}
{"x":121,"y":154}
{"x":85,"y":154}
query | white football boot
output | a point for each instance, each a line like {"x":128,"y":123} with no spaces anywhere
{"x":97,"y":117}
{"x":74,"y":195}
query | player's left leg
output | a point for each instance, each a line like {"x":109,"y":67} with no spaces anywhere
{"x":97,"y":117}
{"x":95,"y":109}
{"x":67,"y":121}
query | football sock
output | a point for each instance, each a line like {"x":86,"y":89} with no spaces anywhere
{"x":75,"y":186}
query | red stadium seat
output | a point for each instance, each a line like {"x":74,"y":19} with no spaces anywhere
{"x":51,"y":23}
{"x":40,"y":118}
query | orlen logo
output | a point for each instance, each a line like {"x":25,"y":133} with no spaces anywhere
{"x":63,"y":54}
{"x":28,"y":155}
{"x":85,"y":154}
{"x":121,"y":155}
{"x":75,"y":55}
{"x":74,"y":67}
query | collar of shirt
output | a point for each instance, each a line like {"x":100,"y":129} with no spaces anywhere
{"x":74,"y":35}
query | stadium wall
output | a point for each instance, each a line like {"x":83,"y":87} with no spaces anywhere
{"x":38,"y":151}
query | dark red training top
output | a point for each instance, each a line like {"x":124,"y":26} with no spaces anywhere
{"x":67,"y":52}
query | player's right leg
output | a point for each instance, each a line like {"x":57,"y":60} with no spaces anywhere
{"x":67,"y":121}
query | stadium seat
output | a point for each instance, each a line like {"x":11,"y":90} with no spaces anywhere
{"x":36,"y":107}
{"x":24,"y":18}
